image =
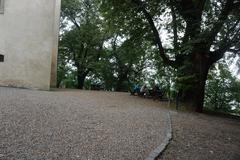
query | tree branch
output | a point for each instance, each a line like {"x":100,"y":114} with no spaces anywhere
{"x":216,"y":55}
{"x":220,"y":22}
{"x":226,"y":46}
{"x":155,"y":33}
{"x":73,"y":20}
{"x":174,"y":23}
{"x":191,"y":11}
{"x":235,"y":51}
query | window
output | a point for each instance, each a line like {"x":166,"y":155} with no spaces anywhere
{"x":1,"y":58}
{"x":1,"y":6}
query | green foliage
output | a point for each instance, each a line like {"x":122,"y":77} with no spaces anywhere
{"x":222,"y":90}
{"x":82,"y":38}
{"x":119,"y":67}
{"x":117,"y":43}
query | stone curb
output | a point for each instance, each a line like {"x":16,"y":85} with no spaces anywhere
{"x":159,"y":150}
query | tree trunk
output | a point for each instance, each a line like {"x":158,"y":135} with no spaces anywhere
{"x":81,"y":80}
{"x":199,"y":93}
{"x":81,"y":76}
{"x":120,"y":86}
{"x":120,"y":83}
{"x":198,"y":69}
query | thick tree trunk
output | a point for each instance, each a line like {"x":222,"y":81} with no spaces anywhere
{"x":199,"y":93}
{"x":198,"y":69}
{"x":81,"y":76}
{"x":120,"y":83}
{"x":81,"y":80}
{"x":120,"y":86}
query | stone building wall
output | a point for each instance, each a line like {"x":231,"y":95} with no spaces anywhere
{"x":28,"y":42}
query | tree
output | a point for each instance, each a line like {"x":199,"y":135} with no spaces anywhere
{"x":122,"y":62}
{"x":202,"y":31}
{"x":222,"y":90}
{"x":83,"y":47}
{"x":83,"y":37}
{"x":126,"y":56}
{"x":62,"y":69}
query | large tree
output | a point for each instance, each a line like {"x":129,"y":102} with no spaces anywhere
{"x":83,"y":36}
{"x":122,"y":62}
{"x":201,"y":32}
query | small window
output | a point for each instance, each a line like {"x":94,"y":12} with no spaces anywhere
{"x":1,"y":6}
{"x":1,"y":58}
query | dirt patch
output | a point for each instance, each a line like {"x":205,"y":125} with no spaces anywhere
{"x":203,"y":137}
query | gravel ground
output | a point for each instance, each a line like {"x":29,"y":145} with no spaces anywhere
{"x":203,"y":137}
{"x":78,"y":125}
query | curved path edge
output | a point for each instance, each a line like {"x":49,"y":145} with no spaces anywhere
{"x":160,"y":149}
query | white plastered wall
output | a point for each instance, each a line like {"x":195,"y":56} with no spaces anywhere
{"x":28,"y":41}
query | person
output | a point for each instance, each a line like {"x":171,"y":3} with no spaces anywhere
{"x":143,"y":90}
{"x":135,"y":90}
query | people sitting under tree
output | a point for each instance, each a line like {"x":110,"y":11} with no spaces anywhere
{"x":135,"y":90}
{"x":143,"y":91}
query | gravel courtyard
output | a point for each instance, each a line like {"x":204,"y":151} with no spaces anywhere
{"x":78,"y":125}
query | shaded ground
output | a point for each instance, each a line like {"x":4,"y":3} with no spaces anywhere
{"x":203,"y":137}
{"x":76,"y":125}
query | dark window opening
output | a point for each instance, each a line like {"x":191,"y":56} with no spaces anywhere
{"x":1,"y":58}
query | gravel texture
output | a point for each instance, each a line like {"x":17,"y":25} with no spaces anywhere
{"x":78,"y":125}
{"x":161,"y":148}
{"x":203,"y":137}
